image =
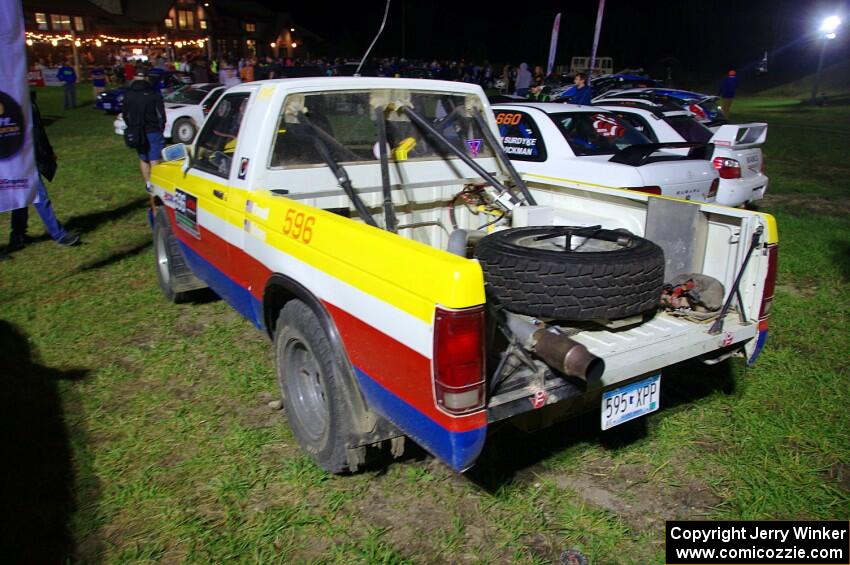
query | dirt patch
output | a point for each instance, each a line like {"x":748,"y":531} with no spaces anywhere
{"x":806,"y":203}
{"x":637,"y":494}
{"x":419,"y":522}
{"x":807,"y":291}
{"x":190,"y":326}
{"x":839,"y":473}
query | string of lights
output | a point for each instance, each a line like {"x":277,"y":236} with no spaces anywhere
{"x":160,"y":40}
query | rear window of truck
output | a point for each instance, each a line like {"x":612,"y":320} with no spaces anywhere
{"x":349,"y":120}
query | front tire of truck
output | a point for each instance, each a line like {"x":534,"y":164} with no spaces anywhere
{"x":176,"y":279}
{"x":309,"y":384}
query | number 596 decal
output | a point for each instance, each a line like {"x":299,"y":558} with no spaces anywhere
{"x":298,"y":225}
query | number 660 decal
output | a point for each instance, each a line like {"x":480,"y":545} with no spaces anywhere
{"x":298,"y":225}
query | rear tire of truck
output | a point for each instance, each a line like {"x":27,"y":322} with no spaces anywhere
{"x":176,"y":279}
{"x":309,"y":384}
{"x":599,"y":280}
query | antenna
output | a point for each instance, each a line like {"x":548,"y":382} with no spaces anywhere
{"x":380,"y":30}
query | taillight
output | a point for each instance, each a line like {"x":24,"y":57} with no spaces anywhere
{"x":769,"y":285}
{"x":459,"y":360}
{"x":656,"y":190}
{"x":727,"y":168}
{"x":698,"y":111}
{"x":712,"y":190}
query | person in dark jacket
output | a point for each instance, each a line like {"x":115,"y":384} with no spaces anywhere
{"x":45,"y":160}
{"x":68,"y":77}
{"x":727,"y":92}
{"x":144,"y":111}
{"x":583,"y":94}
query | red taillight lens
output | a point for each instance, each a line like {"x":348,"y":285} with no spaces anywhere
{"x":727,"y":168}
{"x":459,"y":360}
{"x":769,"y":283}
{"x":698,"y":111}
{"x":656,"y":190}
{"x":712,"y":190}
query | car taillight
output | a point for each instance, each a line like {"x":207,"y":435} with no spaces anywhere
{"x":698,"y":111}
{"x":656,"y":190}
{"x":769,"y":285}
{"x":459,"y":379}
{"x":712,"y":190}
{"x":727,"y":168}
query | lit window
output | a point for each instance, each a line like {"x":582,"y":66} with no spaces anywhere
{"x":79,"y":25}
{"x":250,"y":27}
{"x":60,"y":22}
{"x":185,"y":19}
{"x":41,"y":20}
{"x":169,"y":23}
{"x":203,"y":24}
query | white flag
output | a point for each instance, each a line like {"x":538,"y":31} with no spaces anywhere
{"x":553,"y":44}
{"x":17,"y":158}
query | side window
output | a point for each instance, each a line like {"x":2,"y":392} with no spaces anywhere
{"x":210,"y":100}
{"x":638,"y":123}
{"x":216,"y":143}
{"x":520,"y":136}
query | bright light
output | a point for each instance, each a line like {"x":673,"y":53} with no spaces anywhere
{"x":273,"y":44}
{"x":292,"y":29}
{"x":77,"y":43}
{"x":54,"y":43}
{"x":830,"y":35}
{"x":830,"y":24}
{"x":98,"y":42}
{"x":294,"y":45}
{"x":29,"y":42}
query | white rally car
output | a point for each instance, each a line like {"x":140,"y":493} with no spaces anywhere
{"x":185,"y":110}
{"x":581,"y":146}
{"x":737,"y":154}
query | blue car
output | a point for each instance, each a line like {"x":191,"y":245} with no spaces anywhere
{"x":605,"y":84}
{"x":111,"y":101}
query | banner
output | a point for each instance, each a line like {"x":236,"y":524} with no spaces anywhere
{"x":17,"y":157}
{"x":553,"y":44}
{"x":596,"y":32}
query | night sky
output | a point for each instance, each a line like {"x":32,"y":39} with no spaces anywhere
{"x":706,"y":36}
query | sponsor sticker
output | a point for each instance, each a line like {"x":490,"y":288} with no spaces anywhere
{"x":11,"y":126}
{"x":474,"y":146}
{"x":186,"y":212}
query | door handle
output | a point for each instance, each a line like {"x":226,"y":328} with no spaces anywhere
{"x":218,"y":194}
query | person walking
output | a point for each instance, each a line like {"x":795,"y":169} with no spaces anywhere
{"x":727,"y":92}
{"x":144,"y":111}
{"x":68,"y":77}
{"x":523,"y":80}
{"x":45,"y":160}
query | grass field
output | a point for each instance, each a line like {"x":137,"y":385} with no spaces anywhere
{"x":139,"y":431}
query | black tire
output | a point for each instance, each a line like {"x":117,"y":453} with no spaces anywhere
{"x":309,"y":384}
{"x":602,"y":280}
{"x":184,"y":131}
{"x":176,"y":280}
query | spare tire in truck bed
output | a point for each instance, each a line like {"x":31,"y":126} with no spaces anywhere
{"x":603,"y":275}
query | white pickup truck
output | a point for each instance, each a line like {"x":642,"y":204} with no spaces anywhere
{"x":414,"y":285}
{"x":580,"y":146}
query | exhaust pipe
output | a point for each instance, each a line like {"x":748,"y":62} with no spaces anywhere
{"x":567,"y":355}
{"x":558,"y":351}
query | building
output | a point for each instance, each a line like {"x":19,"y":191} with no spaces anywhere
{"x":101,"y":30}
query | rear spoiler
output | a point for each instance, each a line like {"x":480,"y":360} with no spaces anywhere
{"x":637,"y":155}
{"x":740,"y":136}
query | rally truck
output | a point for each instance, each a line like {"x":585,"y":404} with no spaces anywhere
{"x":415,"y":286}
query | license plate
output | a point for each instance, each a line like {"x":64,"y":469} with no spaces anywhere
{"x":631,"y":401}
{"x":107,"y":106}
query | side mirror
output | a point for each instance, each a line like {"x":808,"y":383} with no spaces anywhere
{"x":175,"y":152}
